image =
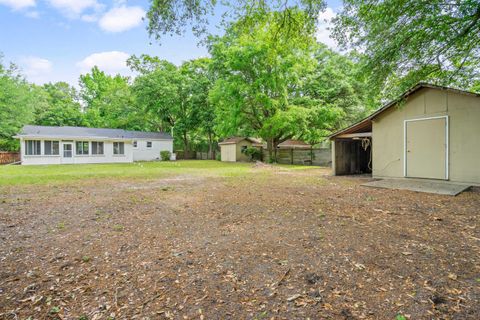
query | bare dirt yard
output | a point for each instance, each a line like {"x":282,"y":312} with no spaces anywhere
{"x":266,"y":243}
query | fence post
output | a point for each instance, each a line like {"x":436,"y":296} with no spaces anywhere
{"x":291,"y":156}
{"x":311,"y":156}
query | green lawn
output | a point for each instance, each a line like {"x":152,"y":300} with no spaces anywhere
{"x":11,"y":175}
{"x":15,"y":175}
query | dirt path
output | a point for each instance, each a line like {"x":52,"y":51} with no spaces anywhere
{"x":278,"y":245}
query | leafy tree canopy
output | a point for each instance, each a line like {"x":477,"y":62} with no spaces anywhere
{"x":339,"y":81}
{"x":62,"y":107}
{"x":18,"y":100}
{"x":168,"y":17}
{"x":108,"y":101}
{"x":259,"y":76}
{"x":174,"y":97}
{"x":406,"y":41}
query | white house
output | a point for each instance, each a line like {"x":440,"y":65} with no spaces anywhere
{"x":64,"y":145}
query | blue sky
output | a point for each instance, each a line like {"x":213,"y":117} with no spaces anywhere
{"x":57,"y":40}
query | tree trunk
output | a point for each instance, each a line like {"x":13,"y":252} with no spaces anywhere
{"x":275,"y":144}
{"x":186,"y":146}
{"x":272,"y":150}
{"x":210,"y":147}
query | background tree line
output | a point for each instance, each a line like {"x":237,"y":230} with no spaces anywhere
{"x":253,"y":85}
{"x":266,"y":76}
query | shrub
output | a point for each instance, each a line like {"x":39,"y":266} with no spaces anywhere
{"x":253,"y":153}
{"x":165,"y":155}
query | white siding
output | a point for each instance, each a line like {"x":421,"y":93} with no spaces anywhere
{"x":107,"y":157}
{"x":142,"y":153}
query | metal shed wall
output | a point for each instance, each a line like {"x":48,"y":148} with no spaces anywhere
{"x":463,"y":135}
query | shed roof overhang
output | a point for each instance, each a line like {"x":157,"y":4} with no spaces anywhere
{"x":362,"y":128}
{"x":365,"y":125}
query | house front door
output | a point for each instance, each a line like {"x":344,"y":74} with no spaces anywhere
{"x":67,"y":156}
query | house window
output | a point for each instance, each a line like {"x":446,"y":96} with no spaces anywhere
{"x":244,"y":148}
{"x":149,"y":144}
{"x":118,"y":148}
{"x":51,"y":148}
{"x":32,"y":147}
{"x":134,"y":144}
{"x":97,"y":147}
{"x":81,"y":147}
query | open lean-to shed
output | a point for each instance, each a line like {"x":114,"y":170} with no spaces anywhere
{"x":231,"y":149}
{"x":430,"y":132}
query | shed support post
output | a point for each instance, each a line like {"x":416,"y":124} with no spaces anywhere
{"x":334,"y":170}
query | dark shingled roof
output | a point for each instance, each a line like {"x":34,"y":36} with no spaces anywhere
{"x":46,"y":131}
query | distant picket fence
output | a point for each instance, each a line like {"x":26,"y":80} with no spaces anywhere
{"x":9,"y":157}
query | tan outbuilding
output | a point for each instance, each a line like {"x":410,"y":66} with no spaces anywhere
{"x":430,"y":132}
{"x":231,"y":149}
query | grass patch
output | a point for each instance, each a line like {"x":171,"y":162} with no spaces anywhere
{"x":118,"y":227}
{"x":61,"y":226}
{"x":296,"y":167}
{"x":59,"y":174}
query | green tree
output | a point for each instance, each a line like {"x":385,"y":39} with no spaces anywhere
{"x":17,"y":105}
{"x":145,"y":63}
{"x":169,"y":17}
{"x":338,"y":81}
{"x":407,"y":41}
{"x":63,"y":108}
{"x":200,"y":82}
{"x":260,"y":77}
{"x":109,"y":102}
{"x":166,"y":94}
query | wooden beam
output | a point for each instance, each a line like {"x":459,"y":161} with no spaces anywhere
{"x":355,"y":135}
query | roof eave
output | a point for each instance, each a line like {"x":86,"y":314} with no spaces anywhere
{"x":19,"y":136}
{"x":152,"y":139}
{"x":407,"y":93}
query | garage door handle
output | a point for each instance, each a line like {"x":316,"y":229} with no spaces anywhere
{"x":408,"y":150}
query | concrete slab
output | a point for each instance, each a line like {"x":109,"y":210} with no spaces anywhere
{"x":420,"y":185}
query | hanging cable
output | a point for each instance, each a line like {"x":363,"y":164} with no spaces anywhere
{"x":367,"y":143}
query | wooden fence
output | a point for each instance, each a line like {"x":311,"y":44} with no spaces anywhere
{"x":198,"y":155}
{"x":9,"y":157}
{"x":206,"y":155}
{"x":317,"y":157}
{"x":182,"y":155}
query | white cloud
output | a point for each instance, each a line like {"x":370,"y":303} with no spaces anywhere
{"x":89,"y":17}
{"x":74,"y":8}
{"x":36,"y":69}
{"x":112,"y":62}
{"x":18,"y":4}
{"x":32,"y":14}
{"x":121,"y":19}
{"x":324,"y":26}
